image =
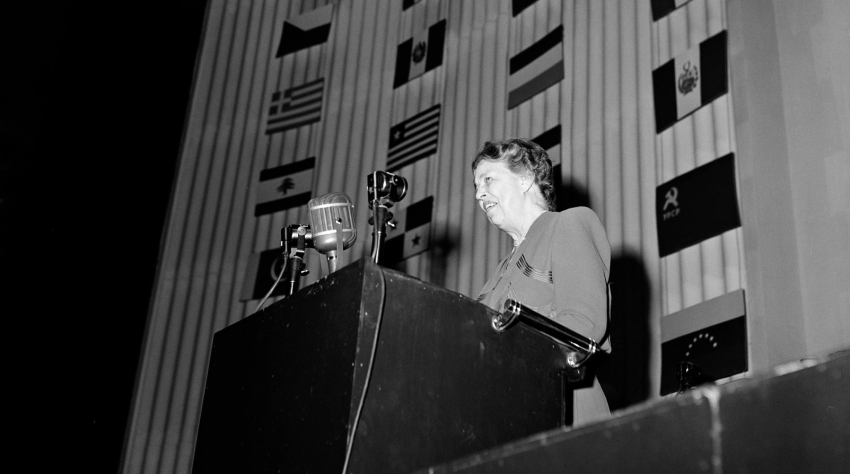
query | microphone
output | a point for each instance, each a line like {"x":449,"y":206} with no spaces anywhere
{"x":332,"y":226}
{"x":384,"y":189}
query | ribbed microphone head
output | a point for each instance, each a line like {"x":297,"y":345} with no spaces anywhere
{"x":324,"y":212}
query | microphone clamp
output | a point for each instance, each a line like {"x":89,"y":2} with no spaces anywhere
{"x":295,"y":238}
{"x":384,"y":190}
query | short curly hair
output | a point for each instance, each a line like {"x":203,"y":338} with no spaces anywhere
{"x":522,"y":157}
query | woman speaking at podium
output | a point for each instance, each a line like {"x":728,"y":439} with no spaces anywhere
{"x":559,"y":262}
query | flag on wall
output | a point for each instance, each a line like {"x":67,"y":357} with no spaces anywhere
{"x":420,"y":54}
{"x":285,"y":186}
{"x":712,"y":335}
{"x":263,"y":270}
{"x":412,"y":231}
{"x":689,"y":81}
{"x":309,"y":29}
{"x":408,"y":3}
{"x":300,"y":105}
{"x":537,"y":67}
{"x":517,"y":6}
{"x":662,"y":8}
{"x":414,"y":139}
{"x":697,"y":205}
{"x":550,"y":140}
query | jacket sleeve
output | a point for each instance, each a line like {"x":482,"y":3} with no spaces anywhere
{"x":581,"y":257}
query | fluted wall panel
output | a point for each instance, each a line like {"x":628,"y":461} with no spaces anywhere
{"x":609,"y":151}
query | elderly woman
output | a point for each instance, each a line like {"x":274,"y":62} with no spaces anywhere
{"x":559,"y":262}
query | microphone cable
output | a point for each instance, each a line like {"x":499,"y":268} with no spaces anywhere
{"x":279,"y":276}
{"x":369,"y":370}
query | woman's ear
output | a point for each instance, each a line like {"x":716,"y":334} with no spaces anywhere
{"x":526,"y":182}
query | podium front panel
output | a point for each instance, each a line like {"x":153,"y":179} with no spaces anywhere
{"x":444,"y":382}
{"x":285,"y":385}
{"x":279,"y":386}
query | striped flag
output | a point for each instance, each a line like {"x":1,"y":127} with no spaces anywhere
{"x":517,"y":6}
{"x":300,"y":105}
{"x":309,"y":29}
{"x":536,"y":68}
{"x":285,"y":186}
{"x":689,"y":81}
{"x":662,"y":8}
{"x":550,"y":140}
{"x":408,"y":3}
{"x":412,"y":233}
{"x":414,"y":139}
{"x":420,"y":54}
{"x":711,"y":335}
{"x":263,"y":270}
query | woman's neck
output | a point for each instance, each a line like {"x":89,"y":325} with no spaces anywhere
{"x":529,"y":216}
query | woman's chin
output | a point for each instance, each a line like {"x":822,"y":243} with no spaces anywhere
{"x":497,"y":221}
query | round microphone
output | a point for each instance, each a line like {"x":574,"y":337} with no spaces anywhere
{"x":332,"y":225}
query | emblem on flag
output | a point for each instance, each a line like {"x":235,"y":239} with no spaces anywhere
{"x":536,"y":68}
{"x":689,"y":81}
{"x":712,"y":335}
{"x":284,"y":187}
{"x":420,"y":54}
{"x":414,"y":139}
{"x":300,"y":105}
{"x":412,"y":232}
{"x":697,"y":205}
{"x":309,"y":29}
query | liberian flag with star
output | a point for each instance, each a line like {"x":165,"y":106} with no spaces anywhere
{"x":414,"y":138}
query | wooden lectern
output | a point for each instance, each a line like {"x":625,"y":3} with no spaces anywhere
{"x":285,"y":387}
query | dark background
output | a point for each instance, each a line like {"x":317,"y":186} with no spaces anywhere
{"x":94,"y":99}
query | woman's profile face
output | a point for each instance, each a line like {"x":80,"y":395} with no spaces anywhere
{"x":499,"y":193}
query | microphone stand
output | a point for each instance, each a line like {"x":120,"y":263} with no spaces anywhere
{"x":381,"y":216}
{"x":295,"y":262}
{"x":383,"y":189}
